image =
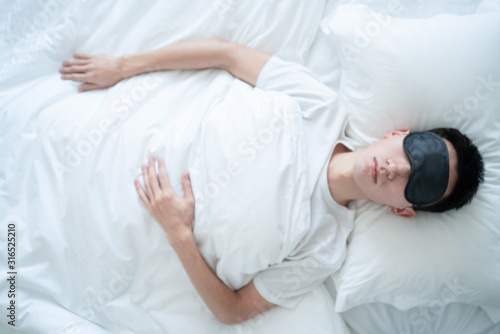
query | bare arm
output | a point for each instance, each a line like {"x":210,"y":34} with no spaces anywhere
{"x":175,"y":215}
{"x":231,"y":307}
{"x":102,"y":71}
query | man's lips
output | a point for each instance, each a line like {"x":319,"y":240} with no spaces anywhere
{"x":374,"y":170}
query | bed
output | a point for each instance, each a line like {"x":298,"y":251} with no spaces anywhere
{"x":90,"y":259}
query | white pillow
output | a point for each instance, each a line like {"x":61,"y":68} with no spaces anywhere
{"x":452,"y":318}
{"x":442,"y":71}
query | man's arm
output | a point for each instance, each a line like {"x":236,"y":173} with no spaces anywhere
{"x":102,"y":71}
{"x":230,"y":307}
{"x":175,"y":215}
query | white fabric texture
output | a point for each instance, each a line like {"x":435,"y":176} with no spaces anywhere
{"x":90,"y":257}
{"x":322,"y":250}
{"x":452,"y":318}
{"x":420,"y":74}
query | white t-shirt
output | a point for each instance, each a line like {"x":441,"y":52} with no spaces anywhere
{"x":322,"y":250}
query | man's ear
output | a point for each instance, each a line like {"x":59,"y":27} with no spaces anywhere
{"x":396,"y":133}
{"x":403,"y":212}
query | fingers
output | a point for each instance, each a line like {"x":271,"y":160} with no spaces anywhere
{"x":75,"y":62}
{"x":73,"y":69}
{"x":162,"y":187}
{"x":88,"y":86}
{"x":145,"y":177}
{"x":153,"y":179}
{"x":82,"y":56}
{"x":74,"y":77}
{"x":164,"y":180}
{"x":142,"y":194}
{"x":186,"y":186}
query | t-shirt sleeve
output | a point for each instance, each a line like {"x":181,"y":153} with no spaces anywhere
{"x":286,"y":283}
{"x":320,"y":255}
{"x":285,"y":73}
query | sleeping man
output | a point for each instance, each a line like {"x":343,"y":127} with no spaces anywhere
{"x":435,"y":171}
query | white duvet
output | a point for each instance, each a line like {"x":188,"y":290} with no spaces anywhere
{"x":90,"y":258}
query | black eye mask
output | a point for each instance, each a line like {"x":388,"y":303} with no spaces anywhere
{"x":429,"y":167}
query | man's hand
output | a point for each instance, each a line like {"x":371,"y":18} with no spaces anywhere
{"x":96,"y":72}
{"x":175,"y":214}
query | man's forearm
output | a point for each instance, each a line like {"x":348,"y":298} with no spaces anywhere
{"x":218,"y":297}
{"x":243,"y":62}
{"x":191,"y":55}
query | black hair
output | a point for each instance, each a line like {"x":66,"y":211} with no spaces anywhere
{"x":470,"y":169}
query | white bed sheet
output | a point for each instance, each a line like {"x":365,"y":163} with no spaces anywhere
{"x":90,"y":259}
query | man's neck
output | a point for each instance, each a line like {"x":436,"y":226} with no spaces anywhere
{"x":340,"y":176}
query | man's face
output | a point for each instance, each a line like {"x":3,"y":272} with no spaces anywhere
{"x":382,"y":170}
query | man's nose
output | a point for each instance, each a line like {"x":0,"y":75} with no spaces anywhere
{"x":398,"y":168}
